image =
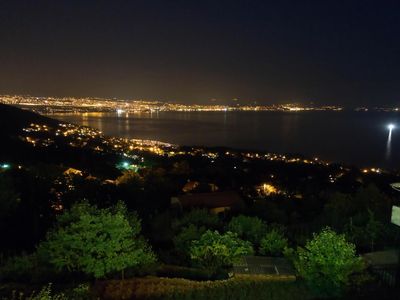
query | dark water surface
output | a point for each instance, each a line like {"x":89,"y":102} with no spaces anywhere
{"x":358,"y":138}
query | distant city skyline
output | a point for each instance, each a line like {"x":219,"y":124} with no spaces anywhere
{"x":53,"y":104}
{"x":326,"y":52}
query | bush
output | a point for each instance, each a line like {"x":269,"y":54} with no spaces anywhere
{"x":216,"y":252}
{"x":240,"y":287}
{"x":327,"y":263}
{"x":47,"y":294}
{"x":18,"y":268}
{"x":80,"y":292}
{"x":273,"y":243}
{"x":198,"y":218}
{"x":184,"y":239}
{"x":250,"y":229}
{"x":30,"y":268}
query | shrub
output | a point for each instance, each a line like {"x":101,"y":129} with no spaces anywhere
{"x":327,"y":262}
{"x":198,"y":218}
{"x":240,"y":287}
{"x":18,"y":268}
{"x":248,"y":228}
{"x":273,"y":243}
{"x":216,"y":252}
{"x":184,"y":239}
{"x":47,"y":294}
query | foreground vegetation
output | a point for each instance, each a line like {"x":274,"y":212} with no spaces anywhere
{"x":239,"y":287}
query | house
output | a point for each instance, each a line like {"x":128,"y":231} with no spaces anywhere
{"x":190,"y":186}
{"x":72,"y":171}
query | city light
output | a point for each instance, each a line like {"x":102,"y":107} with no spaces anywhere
{"x":391,"y":127}
{"x":97,"y":105}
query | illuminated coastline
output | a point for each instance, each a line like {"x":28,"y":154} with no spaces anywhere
{"x":71,"y":104}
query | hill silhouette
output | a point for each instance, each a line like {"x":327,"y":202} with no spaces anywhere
{"x":13,"y":119}
{"x":15,"y":150}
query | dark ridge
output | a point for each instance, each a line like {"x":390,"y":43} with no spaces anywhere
{"x":13,"y":119}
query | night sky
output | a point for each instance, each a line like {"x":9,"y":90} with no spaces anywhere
{"x":338,"y":52}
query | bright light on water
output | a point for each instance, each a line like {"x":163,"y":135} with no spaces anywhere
{"x":389,"y":141}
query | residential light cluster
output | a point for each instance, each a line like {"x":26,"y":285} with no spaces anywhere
{"x":78,"y":105}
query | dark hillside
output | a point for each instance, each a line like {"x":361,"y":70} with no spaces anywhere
{"x":14,"y":149}
{"x":13,"y":119}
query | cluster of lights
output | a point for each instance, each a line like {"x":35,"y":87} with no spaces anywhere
{"x":129,"y":148}
{"x":71,"y":104}
{"x":372,"y":170}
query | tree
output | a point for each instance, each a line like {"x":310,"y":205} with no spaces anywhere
{"x":248,"y":228}
{"x":273,"y":243}
{"x":184,"y":239}
{"x":342,"y":208}
{"x":199,"y":218}
{"x":327,"y":262}
{"x":365,"y":233}
{"x":96,"y":241}
{"x":338,"y":209}
{"x":215,"y":251}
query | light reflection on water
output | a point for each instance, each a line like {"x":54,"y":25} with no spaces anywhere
{"x":356,"y":138}
{"x":389,"y":144}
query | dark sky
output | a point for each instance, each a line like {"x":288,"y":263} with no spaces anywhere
{"x":345,"y":52}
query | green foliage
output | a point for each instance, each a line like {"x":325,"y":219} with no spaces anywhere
{"x":31,"y":269}
{"x":199,"y":218}
{"x":19,"y":268}
{"x":96,"y":241}
{"x":240,"y":287}
{"x":248,"y":228}
{"x":184,"y":239}
{"x":46,"y":294}
{"x":80,"y":292}
{"x":327,"y":262}
{"x":214,"y":251}
{"x":340,"y":208}
{"x":190,"y":227}
{"x":365,"y":233}
{"x":371,"y":198}
{"x":273,"y":243}
{"x":130,"y":178}
{"x":362,"y":216}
